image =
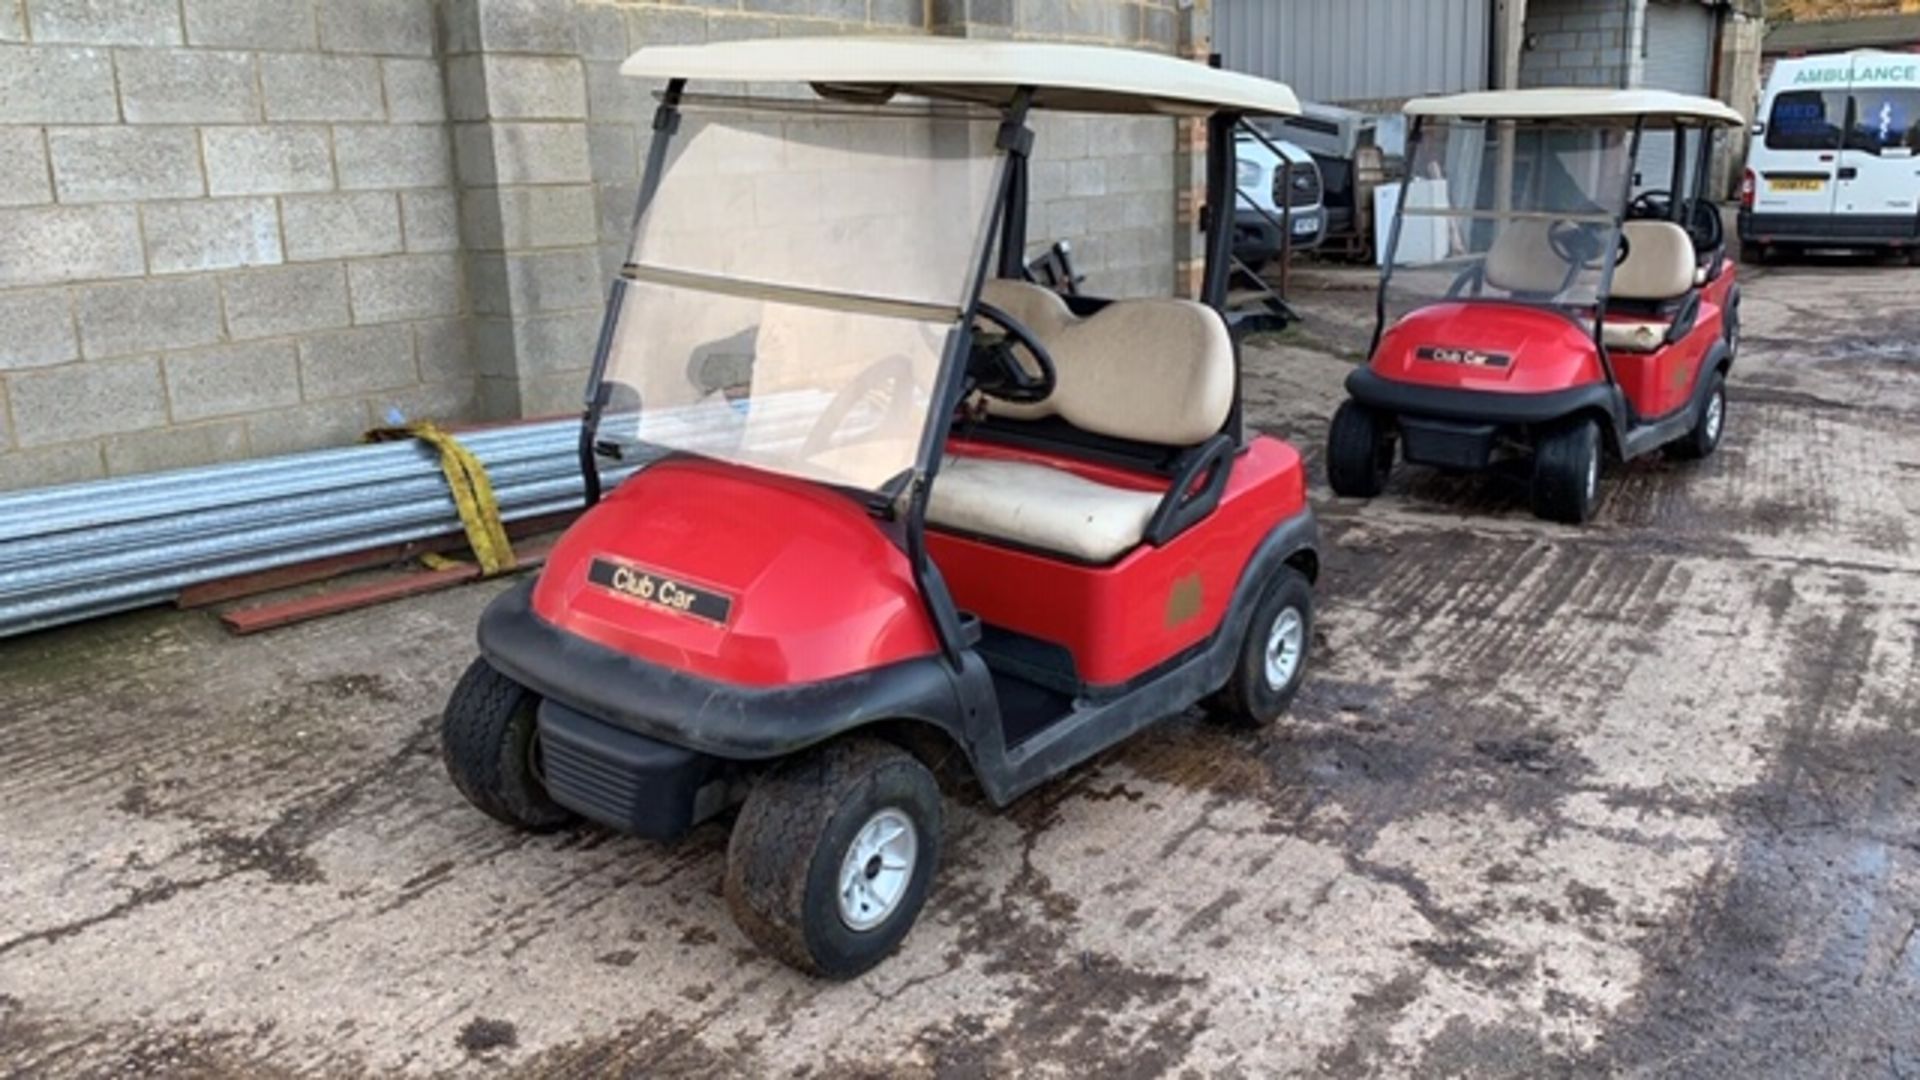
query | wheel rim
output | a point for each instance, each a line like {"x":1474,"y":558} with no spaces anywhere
{"x":877,"y":868}
{"x":1716,"y":415}
{"x":1286,"y":641}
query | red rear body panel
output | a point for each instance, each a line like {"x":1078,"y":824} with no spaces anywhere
{"x":812,"y":588}
{"x":1657,"y":383}
{"x":1545,"y":352}
{"x":1122,"y":620}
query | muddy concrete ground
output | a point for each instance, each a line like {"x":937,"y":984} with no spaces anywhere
{"x":1642,"y":797}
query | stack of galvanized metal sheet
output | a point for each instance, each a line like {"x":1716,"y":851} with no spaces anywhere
{"x":83,"y":550}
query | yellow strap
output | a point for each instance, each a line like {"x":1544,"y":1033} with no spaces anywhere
{"x":472,"y":496}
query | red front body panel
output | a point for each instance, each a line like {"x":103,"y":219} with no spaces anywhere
{"x":1546,"y":351}
{"x":1122,"y":620}
{"x":815,"y":589}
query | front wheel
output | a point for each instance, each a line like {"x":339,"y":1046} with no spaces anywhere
{"x":490,"y":740}
{"x":1273,"y":657}
{"x":1566,"y":472}
{"x":833,"y":854}
{"x":1360,"y":448}
{"x":1708,"y":427}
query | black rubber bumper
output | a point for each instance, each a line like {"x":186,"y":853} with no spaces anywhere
{"x":1835,"y":230}
{"x":1257,"y":240}
{"x":1475,"y":406}
{"x":719,"y":719}
{"x":624,"y":780}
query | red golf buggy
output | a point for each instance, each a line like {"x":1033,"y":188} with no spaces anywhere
{"x":1543,"y":299}
{"x":897,"y":506}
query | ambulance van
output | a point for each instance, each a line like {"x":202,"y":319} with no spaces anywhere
{"x":1835,"y":160}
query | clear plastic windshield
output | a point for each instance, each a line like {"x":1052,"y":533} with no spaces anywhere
{"x":793,"y":284}
{"x":1495,"y":210}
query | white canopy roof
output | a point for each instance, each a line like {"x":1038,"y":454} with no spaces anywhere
{"x":1080,"y":78}
{"x":1577,"y":105}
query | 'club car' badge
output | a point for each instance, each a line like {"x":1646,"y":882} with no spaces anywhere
{"x":1441,"y":354}
{"x":657,"y":590}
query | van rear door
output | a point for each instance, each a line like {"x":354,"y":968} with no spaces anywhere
{"x":1804,"y":134}
{"x":1879,"y":168}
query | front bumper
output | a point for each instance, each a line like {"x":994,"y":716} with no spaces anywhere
{"x":1257,"y":240}
{"x":722,"y":720}
{"x":1476,"y":407}
{"x":1836,"y":230}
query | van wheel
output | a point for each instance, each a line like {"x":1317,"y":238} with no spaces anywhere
{"x":1273,"y":657}
{"x":490,"y":740}
{"x":833,"y":854}
{"x":1566,"y":472}
{"x":1360,"y":448}
{"x":1708,"y":427}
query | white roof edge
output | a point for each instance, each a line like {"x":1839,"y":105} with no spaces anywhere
{"x":1081,"y":78}
{"x":1575,"y":103}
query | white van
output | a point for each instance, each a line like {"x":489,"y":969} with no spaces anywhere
{"x":1835,"y":160}
{"x":1263,"y":180}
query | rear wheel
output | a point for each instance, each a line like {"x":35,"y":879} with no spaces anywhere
{"x":490,"y":740}
{"x":1708,"y":427}
{"x":1566,"y":472}
{"x":833,"y":855}
{"x":1273,"y":657}
{"x":1360,"y":449}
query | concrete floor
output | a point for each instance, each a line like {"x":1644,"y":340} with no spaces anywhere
{"x":1642,"y":797}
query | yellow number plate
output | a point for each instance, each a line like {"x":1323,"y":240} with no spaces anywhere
{"x":1796,"y":184}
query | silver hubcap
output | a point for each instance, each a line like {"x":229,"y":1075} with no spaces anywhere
{"x":876,"y":869}
{"x":1285,"y":642}
{"x":1716,"y":415}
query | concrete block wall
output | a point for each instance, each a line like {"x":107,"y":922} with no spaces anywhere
{"x":239,"y":227}
{"x":229,"y":230}
{"x":1584,"y":43}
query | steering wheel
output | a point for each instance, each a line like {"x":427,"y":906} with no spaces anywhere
{"x":1702,"y":222}
{"x":1582,"y":244}
{"x":995,"y":368}
{"x":893,"y":377}
{"x":1655,"y":205}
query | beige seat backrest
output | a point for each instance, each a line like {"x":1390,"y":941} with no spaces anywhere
{"x":1156,"y":371}
{"x":1660,"y":262}
{"x":1522,"y":258}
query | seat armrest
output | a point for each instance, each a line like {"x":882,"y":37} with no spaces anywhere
{"x":1685,"y":318}
{"x":1197,"y":486}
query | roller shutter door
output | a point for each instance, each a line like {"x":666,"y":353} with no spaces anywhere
{"x":1678,"y":57}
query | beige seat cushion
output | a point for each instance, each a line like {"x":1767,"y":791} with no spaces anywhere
{"x":1522,"y":258}
{"x":1631,"y":336}
{"x":1039,"y":507}
{"x":1157,"y":371}
{"x":1660,"y":262}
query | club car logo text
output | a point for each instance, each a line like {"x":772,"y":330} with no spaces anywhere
{"x":658,"y":590}
{"x":1441,"y":354}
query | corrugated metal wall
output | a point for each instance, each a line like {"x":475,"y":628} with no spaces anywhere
{"x":1358,"y":50}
